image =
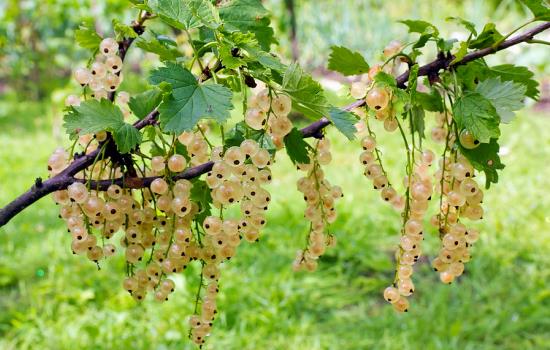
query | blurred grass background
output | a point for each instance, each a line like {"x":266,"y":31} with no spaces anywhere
{"x":50,"y":299}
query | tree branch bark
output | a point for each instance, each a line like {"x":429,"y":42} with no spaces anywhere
{"x":66,"y":177}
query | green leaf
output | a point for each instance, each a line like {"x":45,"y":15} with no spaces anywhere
{"x":165,"y":52}
{"x":296,"y":147}
{"x":344,"y":121}
{"x":485,"y":158}
{"x":419,"y":26}
{"x":92,"y":116}
{"x":248,"y":16}
{"x":227,"y":56}
{"x":466,"y":24}
{"x":418,"y":125}
{"x":506,"y":96}
{"x":123,"y":31}
{"x":489,"y":36}
{"x":385,"y":79}
{"x":474,"y":72}
{"x":431,"y":102}
{"x":477,"y":114}
{"x":145,"y":102}
{"x":347,"y":62}
{"x":87,"y":38}
{"x":518,"y":74}
{"x":126,"y":137}
{"x":185,"y":14}
{"x":307,"y":94}
{"x":189,"y":101}
{"x":413,"y":82}
{"x":462,"y":51}
{"x":201,"y":194}
{"x":446,"y":45}
{"x":539,"y":8}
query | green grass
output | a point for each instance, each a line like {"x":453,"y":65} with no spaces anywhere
{"x":50,"y":299}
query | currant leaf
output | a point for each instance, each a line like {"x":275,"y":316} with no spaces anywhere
{"x":126,"y":137}
{"x":347,"y":62}
{"x":144,"y":103}
{"x":477,"y":114}
{"x":307,"y":94}
{"x":506,"y":96}
{"x":189,"y":101}
{"x":248,"y":16}
{"x":296,"y":147}
{"x":344,"y":121}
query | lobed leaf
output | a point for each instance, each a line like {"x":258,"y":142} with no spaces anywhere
{"x":477,"y":114}
{"x":144,"y":103}
{"x":189,"y":101}
{"x":347,"y":62}
{"x":506,"y":96}
{"x":296,"y":147}
{"x":307,"y":94}
{"x":344,"y":121}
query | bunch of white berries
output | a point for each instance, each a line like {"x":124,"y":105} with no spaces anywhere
{"x":320,"y":197}
{"x":370,"y":159}
{"x":461,"y":197}
{"x":104,"y":75}
{"x":238,"y":177}
{"x":269,"y":111}
{"x":420,"y":188}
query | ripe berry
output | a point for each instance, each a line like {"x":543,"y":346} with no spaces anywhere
{"x":108,"y":47}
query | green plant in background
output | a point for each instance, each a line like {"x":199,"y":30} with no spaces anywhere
{"x":135,"y":161}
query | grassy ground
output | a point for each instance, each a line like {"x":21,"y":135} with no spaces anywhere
{"x":50,"y":299}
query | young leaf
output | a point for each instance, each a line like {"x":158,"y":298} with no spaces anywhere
{"x":87,"y":38}
{"x":157,"y":47}
{"x":466,"y":24}
{"x":506,"y":96}
{"x":419,"y":26}
{"x":489,"y":36}
{"x":123,"y":31}
{"x":344,"y":121}
{"x":307,"y":94}
{"x":127,"y":137}
{"x":462,"y":51}
{"x":485,"y":158}
{"x":475,"y":113}
{"x":248,"y":16}
{"x":385,"y":79}
{"x":92,"y":116}
{"x":145,"y":102}
{"x":418,"y":125}
{"x":347,"y":62}
{"x":189,"y":101}
{"x":539,"y":8}
{"x":185,"y":14}
{"x":296,"y":147}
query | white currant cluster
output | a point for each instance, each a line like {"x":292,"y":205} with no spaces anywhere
{"x":461,"y":197}
{"x":104,"y":75}
{"x":269,"y":111}
{"x":370,"y":158}
{"x":419,"y":189}
{"x":320,"y":197}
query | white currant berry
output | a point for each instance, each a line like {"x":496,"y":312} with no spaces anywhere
{"x":108,"y":47}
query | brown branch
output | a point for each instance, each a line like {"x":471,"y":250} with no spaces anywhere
{"x":66,"y":177}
